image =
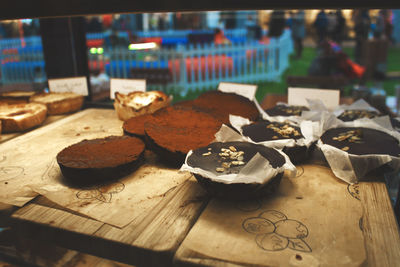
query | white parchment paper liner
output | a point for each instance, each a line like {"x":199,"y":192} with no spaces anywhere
{"x":349,"y":167}
{"x":257,"y":170}
{"x":305,"y":125}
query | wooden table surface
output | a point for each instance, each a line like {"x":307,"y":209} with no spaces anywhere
{"x":159,"y":235}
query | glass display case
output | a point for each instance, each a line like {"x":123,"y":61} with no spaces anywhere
{"x":177,"y":142}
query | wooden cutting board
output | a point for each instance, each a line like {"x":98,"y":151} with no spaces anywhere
{"x":314,"y":220}
{"x":149,"y":239}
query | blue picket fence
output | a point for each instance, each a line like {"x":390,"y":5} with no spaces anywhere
{"x":191,"y":66}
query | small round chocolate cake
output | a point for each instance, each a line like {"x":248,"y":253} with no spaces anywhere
{"x":221,"y":104}
{"x":95,"y":161}
{"x":284,"y":110}
{"x":270,"y":131}
{"x":230,"y":157}
{"x":351,"y":115}
{"x":362,"y":141}
{"x":135,"y":126}
{"x":173,"y":131}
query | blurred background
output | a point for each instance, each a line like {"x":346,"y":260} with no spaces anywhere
{"x":186,"y":53}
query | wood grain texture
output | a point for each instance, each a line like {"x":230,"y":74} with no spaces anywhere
{"x":25,"y":160}
{"x":380,"y":228}
{"x":34,"y":252}
{"x":326,"y":206}
{"x":150,"y":240}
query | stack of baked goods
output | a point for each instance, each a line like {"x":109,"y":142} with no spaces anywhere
{"x":59,"y":103}
{"x":139,"y":103}
{"x":20,"y":117}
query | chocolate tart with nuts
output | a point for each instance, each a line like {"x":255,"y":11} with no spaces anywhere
{"x":286,"y":110}
{"x":354,"y":114}
{"x":362,"y":141}
{"x":271,"y":131}
{"x":95,"y":161}
{"x":229,"y":158}
{"x":173,"y":131}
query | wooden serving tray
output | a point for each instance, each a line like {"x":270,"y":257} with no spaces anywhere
{"x":314,"y":220}
{"x":150,"y":239}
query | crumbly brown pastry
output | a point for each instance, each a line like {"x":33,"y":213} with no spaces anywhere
{"x":16,"y":97}
{"x":59,"y":103}
{"x":20,"y":117}
{"x":139,"y":103}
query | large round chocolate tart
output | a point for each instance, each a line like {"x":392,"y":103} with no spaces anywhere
{"x":213,"y":158}
{"x":362,"y":141}
{"x":99,"y":160}
{"x":135,"y":127}
{"x":271,"y":131}
{"x":221,"y":105}
{"x":173,"y":131}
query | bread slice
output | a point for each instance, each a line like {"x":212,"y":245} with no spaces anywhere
{"x":59,"y":103}
{"x":19,"y":117}
{"x":16,"y":97}
{"x":139,"y":103}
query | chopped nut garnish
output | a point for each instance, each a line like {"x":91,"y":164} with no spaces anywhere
{"x":345,"y":148}
{"x":220,"y":169}
{"x":353,"y":136}
{"x":274,"y":137}
{"x":240,"y":158}
{"x":226,"y":165}
{"x":209,"y":148}
{"x":232,"y":148}
{"x":206,"y":154}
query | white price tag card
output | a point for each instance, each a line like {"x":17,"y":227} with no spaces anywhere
{"x":125,"y":86}
{"x":246,"y":90}
{"x":76,"y":85}
{"x":299,"y":96}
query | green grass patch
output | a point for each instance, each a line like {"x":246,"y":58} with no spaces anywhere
{"x":299,"y":67}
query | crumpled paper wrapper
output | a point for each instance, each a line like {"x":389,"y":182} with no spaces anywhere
{"x":349,"y":167}
{"x":305,"y":125}
{"x":257,"y":170}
